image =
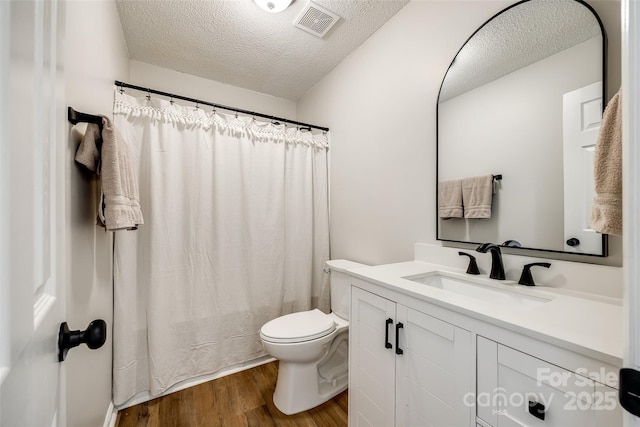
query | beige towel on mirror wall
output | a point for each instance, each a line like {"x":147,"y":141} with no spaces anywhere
{"x":450,"y":198}
{"x":606,"y":213}
{"x":119,"y":205}
{"x":477,"y":195}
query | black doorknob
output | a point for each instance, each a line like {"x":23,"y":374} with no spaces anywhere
{"x":573,"y":242}
{"x":94,"y":337}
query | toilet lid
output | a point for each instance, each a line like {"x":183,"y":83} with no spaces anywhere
{"x":298,"y":327}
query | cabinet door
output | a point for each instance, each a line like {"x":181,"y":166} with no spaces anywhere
{"x":371,"y":362}
{"x":434,"y":373}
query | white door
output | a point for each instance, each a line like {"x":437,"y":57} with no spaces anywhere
{"x":371,"y":360}
{"x":32,"y":269}
{"x":582,"y":114}
{"x":434,"y":372}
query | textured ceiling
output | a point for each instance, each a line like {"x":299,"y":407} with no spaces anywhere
{"x":236,"y":42}
{"x":521,"y":36}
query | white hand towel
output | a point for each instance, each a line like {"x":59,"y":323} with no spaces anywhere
{"x":119,"y":181}
{"x":119,"y":203}
{"x":606,"y":213}
{"x":450,"y":198}
{"x":477,"y":194}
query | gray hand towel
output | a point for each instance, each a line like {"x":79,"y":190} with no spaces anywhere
{"x":88,"y":152}
{"x":477,"y":195}
{"x":449,"y":198}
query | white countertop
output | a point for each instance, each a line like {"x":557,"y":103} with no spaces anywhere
{"x":588,"y":324}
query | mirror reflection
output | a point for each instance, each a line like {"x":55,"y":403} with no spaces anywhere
{"x":523,"y":99}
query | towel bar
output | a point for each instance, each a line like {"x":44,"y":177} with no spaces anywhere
{"x":76,"y":117}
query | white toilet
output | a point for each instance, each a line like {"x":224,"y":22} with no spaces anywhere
{"x":312,"y":348}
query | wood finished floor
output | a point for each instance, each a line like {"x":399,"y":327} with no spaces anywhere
{"x":244,"y":399}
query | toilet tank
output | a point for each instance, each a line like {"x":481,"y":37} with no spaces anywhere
{"x":340,"y":291}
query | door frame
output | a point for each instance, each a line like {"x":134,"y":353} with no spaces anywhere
{"x":630,"y":22}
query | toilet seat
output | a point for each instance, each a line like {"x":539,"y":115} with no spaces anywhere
{"x":298,"y":327}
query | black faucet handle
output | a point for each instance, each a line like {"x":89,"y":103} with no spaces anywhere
{"x":473,"y":265}
{"x":526,"y":278}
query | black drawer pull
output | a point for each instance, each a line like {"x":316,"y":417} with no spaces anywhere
{"x":536,"y":409}
{"x":398,"y":327}
{"x":387,"y":344}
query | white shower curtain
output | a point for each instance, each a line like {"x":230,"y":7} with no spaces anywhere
{"x":235,"y":233}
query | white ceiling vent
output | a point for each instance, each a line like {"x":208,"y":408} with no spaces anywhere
{"x":316,"y":20}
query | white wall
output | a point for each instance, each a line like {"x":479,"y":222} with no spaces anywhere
{"x":531,"y":192}
{"x":175,"y":82}
{"x":95,"y":55}
{"x":380,"y":104}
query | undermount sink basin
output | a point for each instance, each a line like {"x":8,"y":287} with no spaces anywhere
{"x":502,"y":293}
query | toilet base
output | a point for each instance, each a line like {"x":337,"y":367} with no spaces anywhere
{"x":291,"y":400}
{"x":303,"y":386}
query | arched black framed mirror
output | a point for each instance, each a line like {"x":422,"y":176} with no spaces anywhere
{"x":523,"y":98}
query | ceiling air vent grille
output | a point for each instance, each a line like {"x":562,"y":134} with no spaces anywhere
{"x":316,"y":20}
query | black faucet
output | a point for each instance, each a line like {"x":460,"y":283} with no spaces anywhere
{"x":497,"y":268}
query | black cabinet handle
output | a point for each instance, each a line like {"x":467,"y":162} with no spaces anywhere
{"x":536,"y":409}
{"x":629,"y":394}
{"x":387,"y":344}
{"x":398,"y":327}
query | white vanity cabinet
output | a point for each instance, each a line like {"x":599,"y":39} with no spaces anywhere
{"x":406,"y":368}
{"x":414,"y":361}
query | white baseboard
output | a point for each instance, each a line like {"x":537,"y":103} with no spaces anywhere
{"x":146,"y":396}
{"x":111,"y":416}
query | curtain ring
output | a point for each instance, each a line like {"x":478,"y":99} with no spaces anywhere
{"x":121,"y":89}
{"x":197,"y":105}
{"x":148,"y":95}
{"x":171,"y":100}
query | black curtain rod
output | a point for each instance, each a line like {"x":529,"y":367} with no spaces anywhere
{"x":123,"y":85}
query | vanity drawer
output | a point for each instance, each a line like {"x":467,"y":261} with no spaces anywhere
{"x":509,"y":379}
{"x":560,"y":397}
